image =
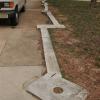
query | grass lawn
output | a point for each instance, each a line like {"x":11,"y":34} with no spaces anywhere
{"x":86,"y":24}
{"x":78,"y":46}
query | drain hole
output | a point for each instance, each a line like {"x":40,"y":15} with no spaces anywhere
{"x":58,"y":90}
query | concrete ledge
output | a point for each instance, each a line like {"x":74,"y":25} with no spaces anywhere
{"x":52,"y":18}
{"x":44,"y":87}
{"x":50,"y":58}
{"x":50,"y":26}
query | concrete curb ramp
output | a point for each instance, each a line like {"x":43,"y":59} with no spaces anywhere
{"x":52,"y":86}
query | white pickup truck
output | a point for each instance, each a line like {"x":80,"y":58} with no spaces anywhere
{"x":9,"y":9}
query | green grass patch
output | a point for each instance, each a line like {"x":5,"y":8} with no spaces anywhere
{"x":81,"y":15}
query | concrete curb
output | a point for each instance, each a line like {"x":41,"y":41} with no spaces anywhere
{"x":43,"y":87}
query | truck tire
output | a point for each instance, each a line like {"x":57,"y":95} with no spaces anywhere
{"x":14,"y":20}
{"x":23,"y":9}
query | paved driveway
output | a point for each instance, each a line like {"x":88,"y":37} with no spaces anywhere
{"x":21,"y":45}
{"x":20,"y":53}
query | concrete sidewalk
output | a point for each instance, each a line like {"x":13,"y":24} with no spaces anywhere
{"x":12,"y":81}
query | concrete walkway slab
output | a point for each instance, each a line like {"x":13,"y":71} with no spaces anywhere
{"x":44,"y":88}
{"x":12,"y":81}
{"x":22,"y":48}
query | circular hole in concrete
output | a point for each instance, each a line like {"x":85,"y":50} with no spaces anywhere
{"x":58,"y":90}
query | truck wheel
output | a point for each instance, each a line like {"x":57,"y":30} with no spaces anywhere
{"x":23,"y":9}
{"x":14,"y":20}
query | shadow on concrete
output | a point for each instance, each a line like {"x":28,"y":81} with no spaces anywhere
{"x":4,"y":22}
